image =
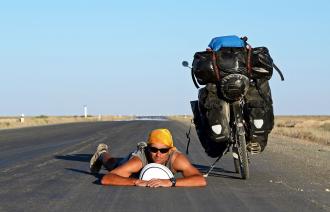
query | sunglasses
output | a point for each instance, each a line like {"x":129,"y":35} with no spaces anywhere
{"x":155,"y":150}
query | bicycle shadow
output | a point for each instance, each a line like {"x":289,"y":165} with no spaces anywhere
{"x":216,"y":172}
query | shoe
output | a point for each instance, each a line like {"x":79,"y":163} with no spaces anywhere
{"x":95,"y":164}
{"x":141,"y":145}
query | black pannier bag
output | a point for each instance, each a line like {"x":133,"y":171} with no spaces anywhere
{"x":226,"y":61}
{"x":212,"y":148}
{"x":203,"y":68}
{"x":258,"y":112}
{"x":214,"y":113}
{"x":262,"y":63}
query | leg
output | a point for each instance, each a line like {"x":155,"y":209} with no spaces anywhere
{"x":108,"y":162}
{"x":101,"y":157}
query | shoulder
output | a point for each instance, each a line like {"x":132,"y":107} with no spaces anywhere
{"x":180,"y":161}
{"x":142,"y":155}
{"x":183,"y":165}
{"x":177,"y":153}
{"x":135,"y":161}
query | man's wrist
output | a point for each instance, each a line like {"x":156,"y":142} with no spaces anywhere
{"x":173,"y":181}
{"x":135,"y":181}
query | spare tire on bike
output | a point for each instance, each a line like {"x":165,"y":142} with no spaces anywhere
{"x":233,"y":87}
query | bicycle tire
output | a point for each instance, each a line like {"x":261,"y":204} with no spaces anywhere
{"x":236,"y":161}
{"x":243,"y":157}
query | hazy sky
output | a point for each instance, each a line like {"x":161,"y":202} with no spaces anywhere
{"x":124,"y":57}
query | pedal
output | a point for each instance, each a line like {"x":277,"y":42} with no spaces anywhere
{"x":254,"y":148}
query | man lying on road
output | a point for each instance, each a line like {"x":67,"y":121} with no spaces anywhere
{"x":159,"y":149}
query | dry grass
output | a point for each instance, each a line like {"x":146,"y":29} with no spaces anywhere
{"x":310,"y":128}
{"x":15,"y":122}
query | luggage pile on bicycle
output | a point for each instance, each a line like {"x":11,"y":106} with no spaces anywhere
{"x":232,"y":70}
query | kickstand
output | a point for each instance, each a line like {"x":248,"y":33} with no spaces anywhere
{"x":188,"y":137}
{"x":215,"y":162}
{"x":211,"y":168}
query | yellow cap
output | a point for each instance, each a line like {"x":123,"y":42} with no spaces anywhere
{"x":161,"y":136}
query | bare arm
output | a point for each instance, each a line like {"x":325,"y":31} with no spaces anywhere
{"x":121,"y":175}
{"x":191,"y":175}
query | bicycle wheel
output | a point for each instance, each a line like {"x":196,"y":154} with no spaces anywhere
{"x":236,"y":160}
{"x":243,"y":157}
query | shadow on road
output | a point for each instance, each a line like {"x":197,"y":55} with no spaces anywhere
{"x":81,"y":171}
{"x":75,"y":157}
{"x":98,"y":175}
{"x":81,"y":158}
{"x":217,"y":172}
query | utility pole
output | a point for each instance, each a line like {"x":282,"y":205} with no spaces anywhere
{"x":22,"y":118}
{"x":85,"y":111}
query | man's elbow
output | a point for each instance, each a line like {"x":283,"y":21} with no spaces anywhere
{"x":105,"y":180}
{"x":203,"y":182}
{"x":200,"y":181}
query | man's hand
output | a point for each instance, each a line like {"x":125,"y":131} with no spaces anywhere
{"x":141,"y":183}
{"x":153,"y":183}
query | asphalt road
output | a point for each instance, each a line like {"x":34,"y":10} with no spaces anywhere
{"x":47,"y":169}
